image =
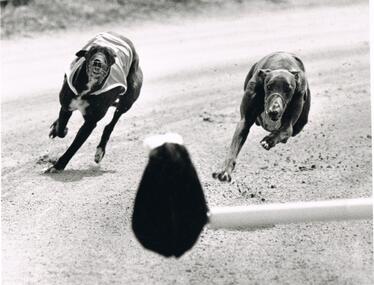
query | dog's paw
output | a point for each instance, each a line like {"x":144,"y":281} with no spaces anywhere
{"x":222,"y":176}
{"x":99,"y":154}
{"x":52,"y":169}
{"x":55,"y":133}
{"x":267,"y":142}
{"x":265,"y":145}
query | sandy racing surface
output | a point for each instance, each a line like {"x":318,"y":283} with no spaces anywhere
{"x":74,"y":227}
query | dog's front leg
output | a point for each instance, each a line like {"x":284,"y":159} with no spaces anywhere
{"x":80,"y":138}
{"x":58,"y":128}
{"x":289,"y":119}
{"x":240,"y":136}
{"x":275,"y":137}
{"x":249,"y":110}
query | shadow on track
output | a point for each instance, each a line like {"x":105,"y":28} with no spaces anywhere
{"x":73,"y":175}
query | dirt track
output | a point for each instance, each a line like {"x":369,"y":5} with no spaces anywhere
{"x":74,"y":227}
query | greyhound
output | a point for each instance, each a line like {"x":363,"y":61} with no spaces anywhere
{"x":276,"y":97}
{"x":105,"y":73}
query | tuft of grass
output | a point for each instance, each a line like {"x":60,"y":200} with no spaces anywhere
{"x":27,"y":17}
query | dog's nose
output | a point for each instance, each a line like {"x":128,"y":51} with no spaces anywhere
{"x":274,"y":111}
{"x":275,"y":108}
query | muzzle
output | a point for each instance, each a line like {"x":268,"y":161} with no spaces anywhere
{"x":274,"y":106}
{"x":97,"y":68}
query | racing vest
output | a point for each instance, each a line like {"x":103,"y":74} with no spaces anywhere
{"x":118,"y":71}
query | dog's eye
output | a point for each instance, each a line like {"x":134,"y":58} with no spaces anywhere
{"x":268,"y":87}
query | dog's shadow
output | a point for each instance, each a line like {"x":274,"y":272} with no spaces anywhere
{"x":73,"y":175}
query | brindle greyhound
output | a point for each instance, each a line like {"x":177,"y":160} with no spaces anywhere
{"x":105,"y":73}
{"x":277,"y":97}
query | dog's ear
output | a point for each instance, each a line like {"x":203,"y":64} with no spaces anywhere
{"x":109,"y":53}
{"x":87,"y":53}
{"x":93,"y":49}
{"x":298,"y":75}
{"x":81,"y":53}
{"x":261,"y":74}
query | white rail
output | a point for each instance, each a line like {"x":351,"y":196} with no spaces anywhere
{"x":300,"y":212}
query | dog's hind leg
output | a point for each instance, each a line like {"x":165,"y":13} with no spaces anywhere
{"x":134,"y":80}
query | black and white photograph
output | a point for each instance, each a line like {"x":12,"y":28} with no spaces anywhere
{"x":186,"y":142}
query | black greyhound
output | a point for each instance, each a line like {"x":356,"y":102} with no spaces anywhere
{"x":277,"y":97}
{"x":105,"y":73}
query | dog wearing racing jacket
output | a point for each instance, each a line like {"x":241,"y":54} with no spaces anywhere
{"x":276,"y":97}
{"x":105,"y":73}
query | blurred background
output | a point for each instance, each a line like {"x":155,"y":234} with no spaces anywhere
{"x":25,"y":17}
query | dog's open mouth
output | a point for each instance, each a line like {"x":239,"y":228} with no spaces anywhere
{"x":97,"y":70}
{"x":271,"y":116}
{"x":97,"y":67}
{"x":274,"y":118}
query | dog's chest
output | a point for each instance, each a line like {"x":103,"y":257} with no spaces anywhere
{"x":79,"y":104}
{"x":267,"y":123}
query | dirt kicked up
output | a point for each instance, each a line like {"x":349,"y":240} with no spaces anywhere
{"x":74,"y":227}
